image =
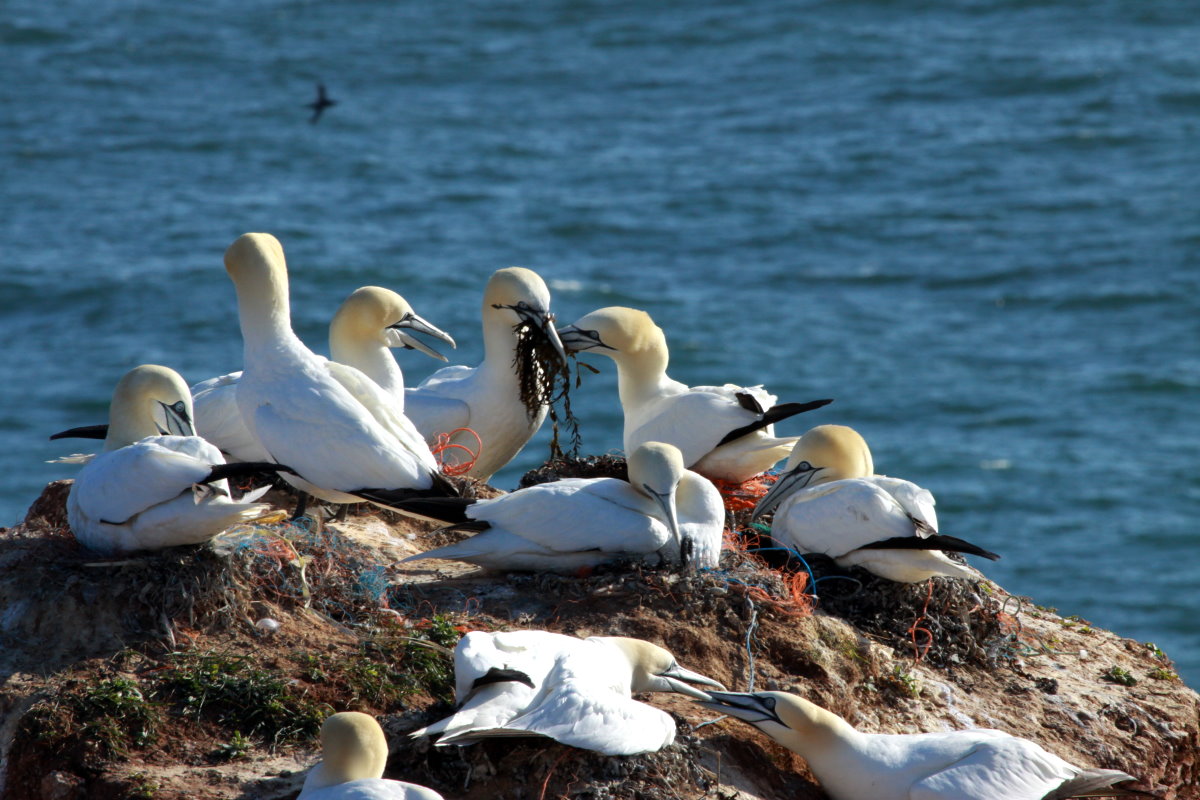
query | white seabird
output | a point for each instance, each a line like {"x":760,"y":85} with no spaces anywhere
{"x":980,"y":764}
{"x":487,"y":398}
{"x":724,"y":432}
{"x":575,"y":691}
{"x":830,"y":501}
{"x":354,"y":753}
{"x":334,"y":426}
{"x":369,"y":322}
{"x":565,"y":525}
{"x":155,"y":484}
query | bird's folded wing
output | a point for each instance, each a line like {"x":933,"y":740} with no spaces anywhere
{"x":1001,"y":767}
{"x":381,"y":406}
{"x":916,"y":501}
{"x":339,"y":443}
{"x":120,"y":484}
{"x":219,"y":420}
{"x":578,"y":514}
{"x":839,"y":517}
{"x":694,"y":421}
{"x":597,"y":718}
{"x":435,"y":405}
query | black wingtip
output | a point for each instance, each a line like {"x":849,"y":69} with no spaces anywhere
{"x":950,"y":544}
{"x":498,"y":675}
{"x":451,"y":510}
{"x":83,"y":432}
{"x":771,"y":416}
{"x":441,"y":487}
{"x":245,"y":469}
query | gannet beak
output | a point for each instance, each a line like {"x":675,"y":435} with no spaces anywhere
{"x":666,"y":501}
{"x":788,"y":482}
{"x":411,"y":321}
{"x":83,"y":432}
{"x":676,"y":675}
{"x":576,"y":340}
{"x":752,"y":708}
{"x":542,"y":320}
{"x":173,"y":420}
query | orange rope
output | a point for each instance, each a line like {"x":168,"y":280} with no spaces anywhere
{"x":444,"y":443}
{"x":914,"y":629}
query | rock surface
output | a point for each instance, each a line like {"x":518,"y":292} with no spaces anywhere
{"x":114,"y":673}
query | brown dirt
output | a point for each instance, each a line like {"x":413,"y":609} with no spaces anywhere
{"x":69,"y":622}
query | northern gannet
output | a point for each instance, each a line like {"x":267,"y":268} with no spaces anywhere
{"x":354,"y":753}
{"x":725,"y":432}
{"x":978,"y":764}
{"x":369,"y":322}
{"x":329,"y":422}
{"x":581,"y":522}
{"x":575,"y":691}
{"x":487,"y":398}
{"x":155,"y":484}
{"x":830,"y":501}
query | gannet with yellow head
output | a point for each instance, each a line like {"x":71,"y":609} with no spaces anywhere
{"x":155,"y":484}
{"x":329,"y":422}
{"x":828,"y":500}
{"x":487,"y":398}
{"x":980,"y":764}
{"x":354,"y":753}
{"x":664,"y":511}
{"x":576,"y":691}
{"x":724,"y":432}
{"x":369,"y":322}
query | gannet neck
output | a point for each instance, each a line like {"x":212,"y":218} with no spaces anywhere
{"x":654,"y":669}
{"x":256,"y":264}
{"x":357,"y":336}
{"x":811,"y":731}
{"x":837,"y":452}
{"x":149,"y":400}
{"x":353,"y":747}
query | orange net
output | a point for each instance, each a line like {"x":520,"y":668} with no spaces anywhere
{"x":445,"y":442}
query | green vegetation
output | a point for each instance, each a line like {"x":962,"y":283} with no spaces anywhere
{"x":237,"y":747}
{"x":231,"y":690}
{"x":1115,"y":674}
{"x":1163,"y":674}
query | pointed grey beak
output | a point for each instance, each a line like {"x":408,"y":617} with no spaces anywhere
{"x":676,"y":676}
{"x":666,"y":501}
{"x":576,"y":340}
{"x":174,"y":420}
{"x":398,"y":332}
{"x":752,"y":708}
{"x":790,"y":481}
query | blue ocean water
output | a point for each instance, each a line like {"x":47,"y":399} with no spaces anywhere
{"x":973,"y":222}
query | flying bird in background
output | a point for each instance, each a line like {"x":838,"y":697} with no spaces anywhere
{"x":320,"y":104}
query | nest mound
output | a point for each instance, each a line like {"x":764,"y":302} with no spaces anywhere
{"x":605,"y":466}
{"x":104,"y":660}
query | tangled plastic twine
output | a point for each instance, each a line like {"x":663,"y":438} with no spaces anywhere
{"x":445,"y":442}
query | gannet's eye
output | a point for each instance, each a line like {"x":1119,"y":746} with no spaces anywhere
{"x":179,"y":407}
{"x":804,"y":466}
{"x":769,"y":702}
{"x":592,"y":335}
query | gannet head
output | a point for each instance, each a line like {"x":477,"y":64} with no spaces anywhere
{"x":655,"y":469}
{"x":792,"y":721}
{"x":517,"y":295}
{"x":353,"y":747}
{"x":824,"y":454}
{"x":149,"y":401}
{"x":373,"y":315}
{"x":615,"y":331}
{"x":656,"y":670}
{"x":256,"y":264}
